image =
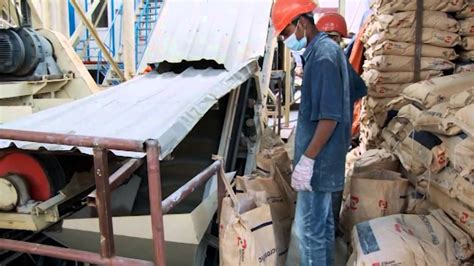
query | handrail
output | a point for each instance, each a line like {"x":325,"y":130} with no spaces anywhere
{"x":145,"y":19}
{"x":104,"y":183}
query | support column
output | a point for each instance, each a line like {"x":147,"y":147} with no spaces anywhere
{"x":129,"y":39}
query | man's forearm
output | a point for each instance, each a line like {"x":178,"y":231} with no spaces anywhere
{"x":321,"y":135}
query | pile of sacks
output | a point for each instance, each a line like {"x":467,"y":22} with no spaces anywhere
{"x":466,"y":30}
{"x":433,"y":137}
{"x":389,"y":40}
{"x":255,"y":222}
{"x":416,"y":191}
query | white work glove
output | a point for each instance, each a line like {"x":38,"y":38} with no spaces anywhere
{"x":301,"y":177}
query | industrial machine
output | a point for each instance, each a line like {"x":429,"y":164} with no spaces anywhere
{"x":38,"y":70}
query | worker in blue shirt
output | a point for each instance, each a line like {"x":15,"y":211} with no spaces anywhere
{"x":323,"y":130}
{"x":335,"y":26}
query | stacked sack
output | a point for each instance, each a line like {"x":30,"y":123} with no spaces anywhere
{"x":433,"y":137}
{"x":466,"y":30}
{"x":426,"y":218}
{"x":390,"y":51}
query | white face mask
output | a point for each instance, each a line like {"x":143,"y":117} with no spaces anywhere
{"x":294,"y":44}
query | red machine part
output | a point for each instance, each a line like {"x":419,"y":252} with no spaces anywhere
{"x":28,"y":167}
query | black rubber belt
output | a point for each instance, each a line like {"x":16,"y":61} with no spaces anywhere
{"x":418,"y":39}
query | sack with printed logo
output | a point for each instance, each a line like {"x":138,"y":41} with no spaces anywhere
{"x":466,"y":12}
{"x":468,"y":43}
{"x":434,"y":120}
{"x":431,"y":19}
{"x":374,"y":194}
{"x":464,"y":67}
{"x":417,"y":202}
{"x":463,"y":159}
{"x":437,"y":90}
{"x":281,"y":199}
{"x":429,"y":36}
{"x":374,"y":77}
{"x":392,"y":6}
{"x":466,"y":27}
{"x":389,"y":63}
{"x":462,"y":215}
{"x":403,"y":239}
{"x":386,"y":90}
{"x":246,"y":232}
{"x":408,"y":49}
{"x":421,"y":151}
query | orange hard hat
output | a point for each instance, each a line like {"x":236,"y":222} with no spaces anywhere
{"x":285,"y":11}
{"x":332,"y":21}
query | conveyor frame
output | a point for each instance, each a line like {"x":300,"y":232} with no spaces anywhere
{"x":104,"y":181}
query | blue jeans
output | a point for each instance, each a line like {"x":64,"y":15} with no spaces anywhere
{"x":314,"y":224}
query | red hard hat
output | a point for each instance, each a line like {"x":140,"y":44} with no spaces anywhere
{"x":285,"y":11}
{"x":332,"y":21}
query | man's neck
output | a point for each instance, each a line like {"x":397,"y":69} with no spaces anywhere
{"x":311,"y":34}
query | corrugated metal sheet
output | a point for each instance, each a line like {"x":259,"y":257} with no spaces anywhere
{"x":164,"y":107}
{"x":230,"y":32}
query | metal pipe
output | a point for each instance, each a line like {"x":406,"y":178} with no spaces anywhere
{"x":174,"y":199}
{"x":66,"y":253}
{"x":287,"y":69}
{"x":72,"y":140}
{"x":220,"y":193}
{"x":103,"y":203}
{"x":119,"y":176}
{"x":154,"y":188}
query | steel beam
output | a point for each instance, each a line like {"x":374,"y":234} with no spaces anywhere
{"x":66,"y":253}
{"x":80,"y":27}
{"x":128,"y":22}
{"x":174,"y":199}
{"x":72,"y":140}
{"x":103,"y":203}
{"x":99,"y":42}
{"x":156,"y":211}
{"x":118,"y":177}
